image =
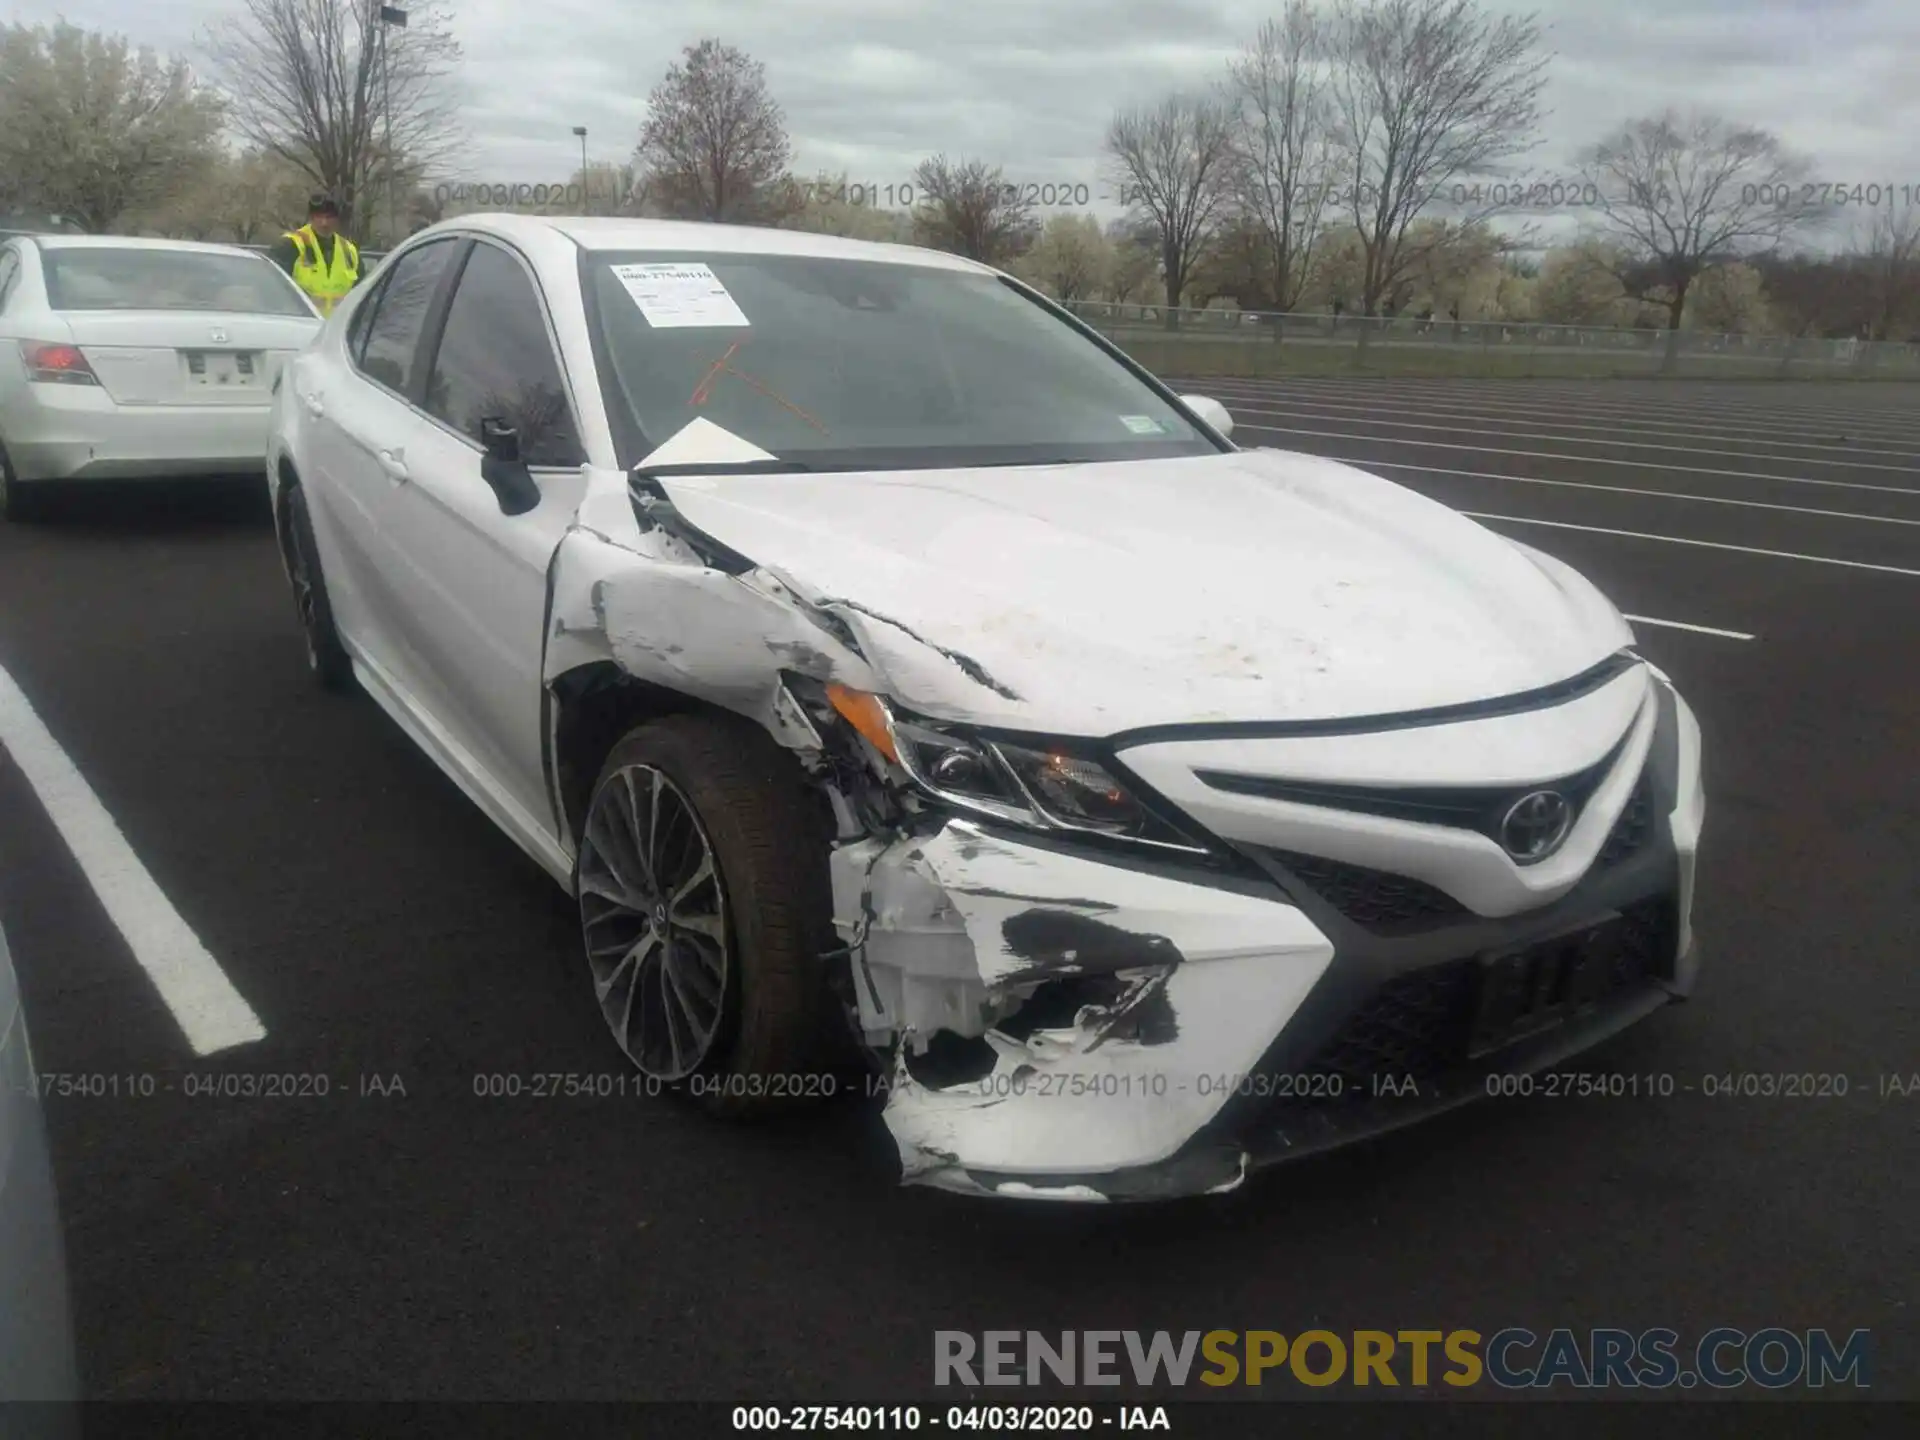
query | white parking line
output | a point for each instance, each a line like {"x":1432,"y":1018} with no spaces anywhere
{"x":191,"y":983}
{"x":1628,"y":405}
{"x":1625,"y":490}
{"x":1703,"y":544}
{"x":1466,"y":416}
{"x":1682,"y":625}
{"x":1581,"y":459}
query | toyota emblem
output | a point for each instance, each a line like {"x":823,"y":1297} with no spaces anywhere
{"x":1536,"y":824}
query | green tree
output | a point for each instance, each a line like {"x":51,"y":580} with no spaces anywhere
{"x":1071,"y":260}
{"x":94,"y":129}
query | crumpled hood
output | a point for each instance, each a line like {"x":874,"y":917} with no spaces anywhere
{"x":1094,"y":599}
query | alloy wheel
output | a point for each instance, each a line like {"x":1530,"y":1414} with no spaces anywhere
{"x":653,"y":912}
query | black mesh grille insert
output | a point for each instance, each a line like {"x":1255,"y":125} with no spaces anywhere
{"x":1416,"y":1024}
{"x":1384,"y":903}
{"x":1420,"y":1023}
{"x":1632,"y":829}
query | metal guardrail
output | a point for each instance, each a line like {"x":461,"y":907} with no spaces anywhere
{"x":1222,"y":341}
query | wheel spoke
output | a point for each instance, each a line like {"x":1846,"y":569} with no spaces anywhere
{"x":702,"y":874}
{"x":653,"y":920}
{"x":639,"y":845}
{"x":672,"y":1015}
{"x":606,"y":887}
{"x":700,"y":977}
{"x":711,"y":926}
{"x":684,"y":993}
{"x":614,"y":851}
{"x":650,"y":853}
{"x":635,"y":957}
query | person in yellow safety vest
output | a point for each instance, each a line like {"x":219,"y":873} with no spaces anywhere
{"x":322,"y":262}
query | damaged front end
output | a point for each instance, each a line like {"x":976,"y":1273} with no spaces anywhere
{"x":1060,"y":1024}
{"x":1060,"y":986}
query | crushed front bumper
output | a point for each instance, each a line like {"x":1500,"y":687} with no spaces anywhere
{"x":1138,"y":1030}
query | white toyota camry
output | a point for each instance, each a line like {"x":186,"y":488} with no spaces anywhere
{"x":894,"y":670}
{"x":136,"y":359}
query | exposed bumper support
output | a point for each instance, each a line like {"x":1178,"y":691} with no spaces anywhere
{"x":1186,"y":985}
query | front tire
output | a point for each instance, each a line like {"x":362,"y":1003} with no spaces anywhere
{"x":326,"y":656}
{"x":705,"y":908}
{"x":21,"y":501}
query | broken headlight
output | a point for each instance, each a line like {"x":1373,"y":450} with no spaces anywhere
{"x":1045,"y":787}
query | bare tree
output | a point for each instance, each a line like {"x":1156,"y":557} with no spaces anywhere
{"x":1681,"y":195}
{"x":308,"y":83}
{"x":1890,"y":260}
{"x":1282,"y":146}
{"x":1173,"y":162}
{"x":714,"y":145}
{"x":92,"y":129}
{"x":970,"y":208}
{"x":1425,"y":92}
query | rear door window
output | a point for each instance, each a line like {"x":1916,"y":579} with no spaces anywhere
{"x":390,"y":351}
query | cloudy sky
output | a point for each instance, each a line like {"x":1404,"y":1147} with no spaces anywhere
{"x":873,"y":86}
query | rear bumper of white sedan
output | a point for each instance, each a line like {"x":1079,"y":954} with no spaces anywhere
{"x":76,"y":432}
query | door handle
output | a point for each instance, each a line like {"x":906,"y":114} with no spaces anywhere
{"x":393,"y":464}
{"x":316,"y":407}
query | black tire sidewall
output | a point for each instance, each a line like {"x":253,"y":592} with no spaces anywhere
{"x":778,"y":1024}
{"x":331,"y":666}
{"x":24,"y":500}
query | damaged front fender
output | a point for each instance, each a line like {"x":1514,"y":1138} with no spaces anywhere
{"x":645,"y":600}
{"x":1109,"y":1011}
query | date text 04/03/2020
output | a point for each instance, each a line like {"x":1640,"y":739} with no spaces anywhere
{"x":1054,"y":1419}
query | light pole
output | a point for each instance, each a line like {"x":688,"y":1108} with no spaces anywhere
{"x":390,"y":15}
{"x":586,"y":196}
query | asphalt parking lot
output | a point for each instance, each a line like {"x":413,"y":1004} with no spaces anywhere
{"x":402,"y":1236}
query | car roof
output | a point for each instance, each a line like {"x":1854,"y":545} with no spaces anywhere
{"x":136,"y":242}
{"x":615,"y":235}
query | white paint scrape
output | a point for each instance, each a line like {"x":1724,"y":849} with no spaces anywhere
{"x":191,"y":983}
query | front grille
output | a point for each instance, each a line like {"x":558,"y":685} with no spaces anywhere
{"x":1420,"y":1023}
{"x":1414,"y":1025}
{"x":1632,"y":829}
{"x":1384,"y":903}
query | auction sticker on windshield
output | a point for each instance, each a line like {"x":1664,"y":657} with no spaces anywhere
{"x":679,"y":296}
{"x":1143,"y":425}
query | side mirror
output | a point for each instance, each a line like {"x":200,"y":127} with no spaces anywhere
{"x":1210,"y":412}
{"x":503,"y":469}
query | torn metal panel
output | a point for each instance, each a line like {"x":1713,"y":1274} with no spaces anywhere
{"x":971,"y":926}
{"x":643,"y":600}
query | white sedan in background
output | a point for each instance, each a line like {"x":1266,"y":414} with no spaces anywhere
{"x":135,"y":359}
{"x":887,"y":664}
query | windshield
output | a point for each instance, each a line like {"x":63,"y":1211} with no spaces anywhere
{"x":103,"y":278}
{"x":855,"y":364}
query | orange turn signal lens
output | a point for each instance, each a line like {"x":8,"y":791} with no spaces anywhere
{"x":863,"y":712}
